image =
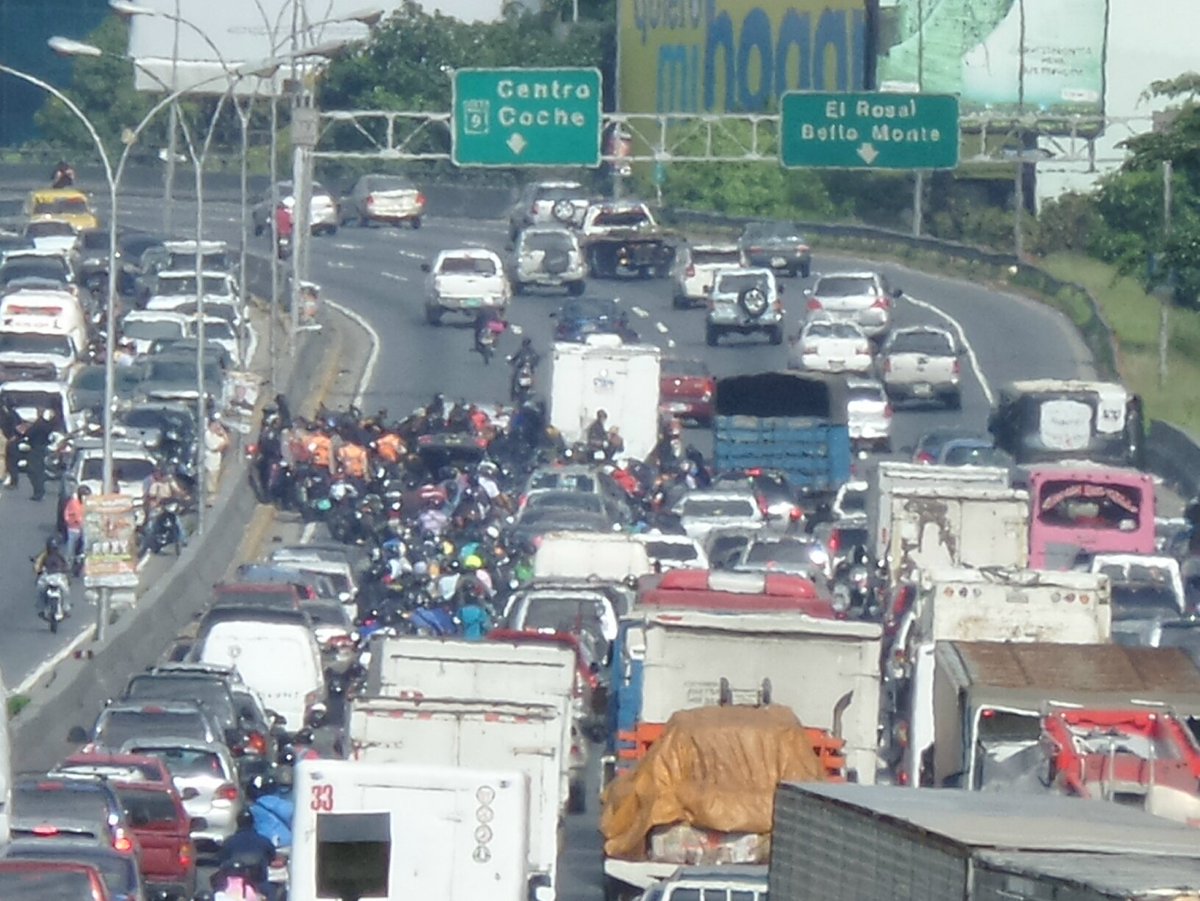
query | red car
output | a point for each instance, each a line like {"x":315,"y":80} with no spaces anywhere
{"x":686,"y":390}
{"x":37,"y":880}
{"x":155,"y":813}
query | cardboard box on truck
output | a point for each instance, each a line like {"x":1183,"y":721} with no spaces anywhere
{"x":397,"y":832}
{"x":866,"y":843}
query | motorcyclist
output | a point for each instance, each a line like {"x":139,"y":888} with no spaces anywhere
{"x":246,"y":847}
{"x":51,"y":563}
{"x":38,"y":435}
{"x":488,"y":326}
{"x":63,"y":175}
{"x":283,"y":230}
{"x":525,"y":356}
{"x":160,"y":488}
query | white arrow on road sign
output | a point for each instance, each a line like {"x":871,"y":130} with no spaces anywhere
{"x":516,"y":143}
{"x":868,"y":153}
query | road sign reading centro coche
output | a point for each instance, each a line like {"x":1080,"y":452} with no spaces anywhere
{"x":526,"y":117}
{"x":868,"y":131}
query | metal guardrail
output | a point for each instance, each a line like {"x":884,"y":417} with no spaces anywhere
{"x":1175,"y":456}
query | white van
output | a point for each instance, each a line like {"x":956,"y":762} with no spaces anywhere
{"x":46,"y":312}
{"x":280,"y":661}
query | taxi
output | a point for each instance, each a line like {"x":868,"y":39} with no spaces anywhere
{"x":68,"y":204}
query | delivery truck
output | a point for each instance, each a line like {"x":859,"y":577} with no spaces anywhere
{"x":990,"y":604}
{"x":826,"y":670}
{"x":397,"y":832}
{"x":620,"y":379}
{"x":476,"y":734}
{"x":843,"y":842}
{"x":989,"y":699}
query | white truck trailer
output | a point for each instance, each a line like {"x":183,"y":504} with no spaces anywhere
{"x":393,"y":831}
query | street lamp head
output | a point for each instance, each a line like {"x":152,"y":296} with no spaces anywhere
{"x":326,"y":49}
{"x":127,"y":9}
{"x":68,"y":47}
{"x":370,"y":17}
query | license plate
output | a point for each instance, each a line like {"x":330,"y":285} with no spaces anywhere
{"x":922,"y":390}
{"x":778,"y":262}
{"x":837,"y":364}
{"x":473,"y":302}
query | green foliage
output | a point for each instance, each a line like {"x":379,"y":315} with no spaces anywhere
{"x":17,"y":703}
{"x":1068,"y":223}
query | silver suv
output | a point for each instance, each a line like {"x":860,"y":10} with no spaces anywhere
{"x":744,"y":302}
{"x":548,"y":256}
{"x":549,"y":202}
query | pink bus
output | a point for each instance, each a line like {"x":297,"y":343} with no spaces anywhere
{"x":1081,"y":509}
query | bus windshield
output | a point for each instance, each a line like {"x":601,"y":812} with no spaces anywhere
{"x":1078,"y":513}
{"x":1047,"y":421}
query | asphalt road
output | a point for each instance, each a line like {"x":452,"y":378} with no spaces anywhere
{"x":376,"y":273}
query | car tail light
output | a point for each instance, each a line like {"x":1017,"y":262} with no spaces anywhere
{"x":227,"y":792}
{"x":122,"y":842}
{"x":278,"y":862}
{"x":882,"y":303}
{"x":777,"y":306}
{"x":795,"y":513}
{"x":801,"y":248}
{"x":956,"y":368}
{"x":887,"y":364}
{"x":420,"y":199}
{"x":256,"y":743}
{"x":887,"y":411}
{"x":810,"y":351}
{"x":863,"y":349}
{"x":691,"y":271}
{"x":925,"y":457}
{"x":814,"y":304}
{"x":45,"y":829}
{"x":370,"y":200}
{"x":340,"y":641}
{"x":187,"y":855}
{"x":835,"y":541}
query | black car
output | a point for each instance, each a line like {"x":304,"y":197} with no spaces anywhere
{"x":584,"y":316}
{"x":88,"y":385}
{"x":778,"y":246}
{"x":130,"y":247}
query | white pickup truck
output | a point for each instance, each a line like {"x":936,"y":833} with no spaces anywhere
{"x":922,"y":363}
{"x":465,"y":280}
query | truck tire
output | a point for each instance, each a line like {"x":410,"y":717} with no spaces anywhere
{"x":577,"y":798}
{"x":953,"y":400}
{"x":711,"y":335}
{"x":775,"y":334}
{"x":575,"y":289}
{"x":416,"y":222}
{"x":433,"y":315}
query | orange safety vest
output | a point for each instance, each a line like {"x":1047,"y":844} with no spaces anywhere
{"x":353,"y":460}
{"x":298,"y":446}
{"x":320,"y":447}
{"x":389,"y":447}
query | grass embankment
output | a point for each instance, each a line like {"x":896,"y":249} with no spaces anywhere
{"x":1133,"y":315}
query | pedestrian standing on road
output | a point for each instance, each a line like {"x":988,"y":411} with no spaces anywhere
{"x":216,"y":442}
{"x":38,"y":435}
{"x":11,"y":425}
{"x":73,"y":520}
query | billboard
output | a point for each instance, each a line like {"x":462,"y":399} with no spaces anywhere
{"x":1040,"y":56}
{"x":110,"y":536}
{"x":727,"y":56}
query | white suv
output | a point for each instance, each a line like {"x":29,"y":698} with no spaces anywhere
{"x":744,"y":302}
{"x":549,"y":202}
{"x":548,"y":256}
{"x":695,"y":268}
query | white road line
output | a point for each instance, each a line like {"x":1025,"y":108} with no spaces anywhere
{"x":411,"y":254}
{"x":347,"y":247}
{"x":51,"y":662}
{"x":639,"y":312}
{"x":372,"y":358}
{"x":308,"y":533}
{"x":962,"y":338}
{"x":394,"y":276}
{"x":662,"y":329}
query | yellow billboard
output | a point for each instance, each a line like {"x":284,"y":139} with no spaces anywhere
{"x":718,"y":56}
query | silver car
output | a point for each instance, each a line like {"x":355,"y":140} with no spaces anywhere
{"x":549,"y":202}
{"x":548,"y":256}
{"x":702,"y":511}
{"x":207,"y":781}
{"x":864,"y":298}
{"x":385,"y":199}
{"x":796,"y":555}
{"x":744,"y":302}
{"x":869,"y":414}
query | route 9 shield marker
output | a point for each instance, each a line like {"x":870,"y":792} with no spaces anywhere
{"x":880,"y":130}
{"x":526,"y":117}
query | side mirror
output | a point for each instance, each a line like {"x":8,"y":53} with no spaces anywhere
{"x":77,"y":735}
{"x":808,"y":292}
{"x":197,"y":824}
{"x":425,"y":267}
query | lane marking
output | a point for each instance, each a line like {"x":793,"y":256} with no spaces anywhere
{"x":394,"y":276}
{"x":347,"y":247}
{"x":662,"y":329}
{"x":639,"y":312}
{"x":50,"y":663}
{"x":308,"y":533}
{"x":962,"y":338}
{"x":411,"y":254}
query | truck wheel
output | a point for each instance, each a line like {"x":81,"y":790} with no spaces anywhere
{"x":575,"y":289}
{"x":775,"y":334}
{"x":433,"y":315}
{"x":953,"y":400}
{"x":711,"y":335}
{"x":577,"y":798}
{"x":416,"y":222}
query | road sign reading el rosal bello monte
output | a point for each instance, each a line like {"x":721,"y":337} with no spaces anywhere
{"x":526,"y":117}
{"x":868,"y":131}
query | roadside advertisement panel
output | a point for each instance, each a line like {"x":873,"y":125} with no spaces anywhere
{"x":727,"y":56}
{"x":1042,"y":56}
{"x":110,"y":541}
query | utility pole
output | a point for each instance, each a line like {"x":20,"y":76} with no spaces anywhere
{"x":172,"y":135}
{"x":1164,"y":308}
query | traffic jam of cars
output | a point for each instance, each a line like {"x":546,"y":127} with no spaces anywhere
{"x":700,"y":605}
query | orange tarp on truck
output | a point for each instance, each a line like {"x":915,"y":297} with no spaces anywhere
{"x":713,"y":768}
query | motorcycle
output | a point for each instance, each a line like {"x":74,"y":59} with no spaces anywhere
{"x":283,"y":247}
{"x":485,"y":343}
{"x":855,"y":589}
{"x":52,"y":598}
{"x":163,"y":528}
{"x":522,"y":383}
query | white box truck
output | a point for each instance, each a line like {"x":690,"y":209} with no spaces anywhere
{"x":825,"y":670}
{"x":476,"y":734}
{"x":398,"y":832}
{"x":620,"y":379}
{"x":993,"y":604}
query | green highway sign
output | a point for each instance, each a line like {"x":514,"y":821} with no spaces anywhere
{"x":868,"y":131}
{"x":526,"y":117}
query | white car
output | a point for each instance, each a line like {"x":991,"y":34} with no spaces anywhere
{"x":548,"y":256}
{"x":696,"y":267}
{"x":863,"y":298}
{"x":55,"y":235}
{"x":465,"y":280}
{"x":549,"y":202}
{"x":869,"y":414}
{"x":826,"y":345}
{"x":144,"y":327}
{"x":132,"y":466}
{"x":323,"y":209}
{"x":700,"y":512}
{"x":50,"y":355}
{"x":667,"y":551}
{"x":173,"y":290}
{"x":922,"y":362}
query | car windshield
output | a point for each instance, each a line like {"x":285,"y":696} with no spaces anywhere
{"x":141,"y":418}
{"x":95,"y":240}
{"x":870,"y":393}
{"x":589,"y":308}
{"x":736,"y":284}
{"x":37,"y":399}
{"x":326,"y":614}
{"x":183,"y":763}
{"x":565,"y":481}
{"x":685,"y":368}
{"x":35,"y":884}
{"x":35,"y":343}
{"x":832,"y":330}
{"x":732,"y":506}
{"x":50,"y":268}
{"x":565,"y":500}
{"x":1184,"y":635}
{"x":566,"y":614}
{"x":185,"y":285}
{"x":631,"y":218}
{"x":152,"y":329}
{"x":715,"y":257}
{"x":211,"y":260}
{"x":930,"y":343}
{"x":467,"y":266}
{"x":51,"y":803}
{"x":389,"y":183}
{"x":119,"y":726}
{"x":219,"y":330}
{"x":845,"y":286}
{"x":115,"y":869}
{"x":671,"y":550}
{"x":548,"y":241}
{"x":179,"y":371}
{"x":780,"y":552}
{"x":90,"y":379}
{"x":779,"y":231}
{"x":974,"y":455}
{"x":211,"y":694}
{"x":70,"y":205}
{"x":47,"y":228}
{"x":559,"y":192}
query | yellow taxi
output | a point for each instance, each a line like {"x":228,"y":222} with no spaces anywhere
{"x":67,"y":204}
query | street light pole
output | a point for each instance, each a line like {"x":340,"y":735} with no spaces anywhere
{"x":173,"y":137}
